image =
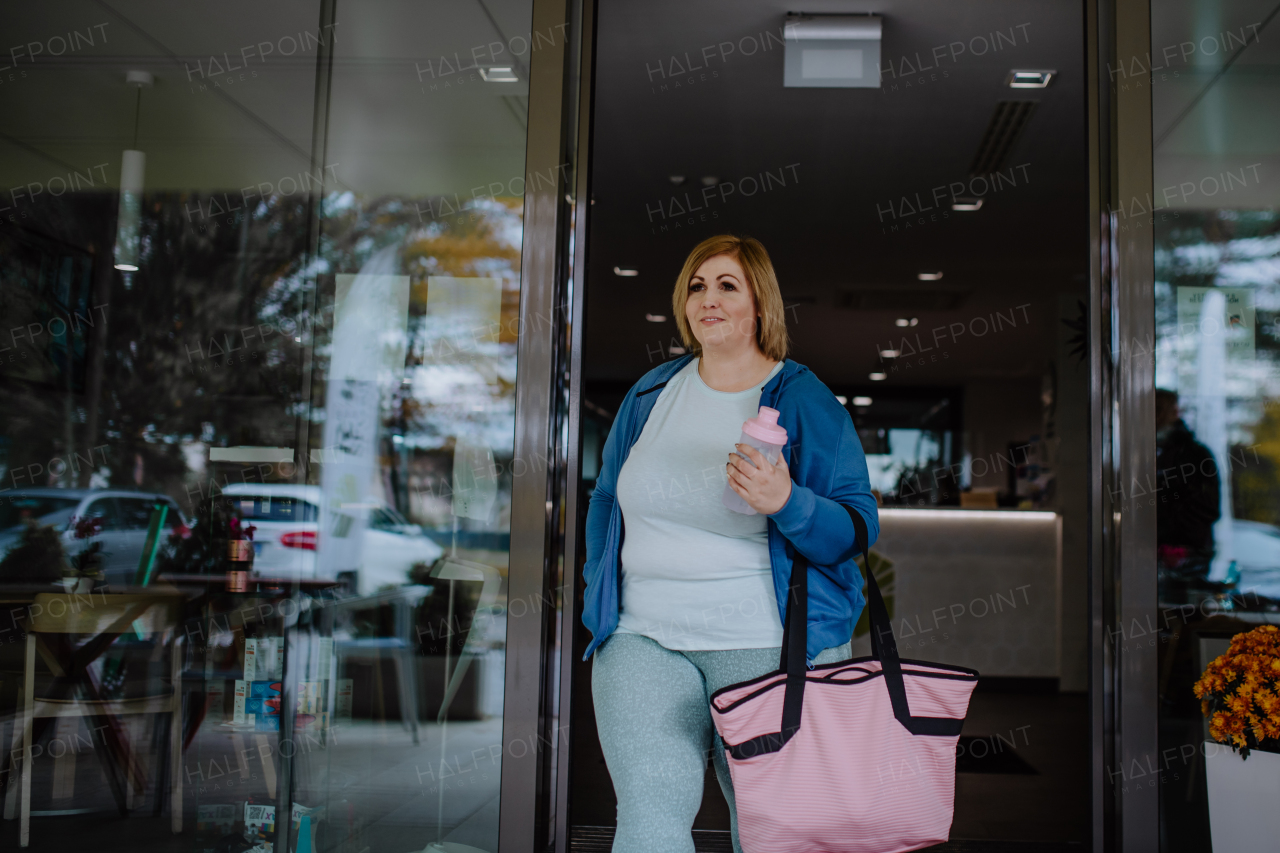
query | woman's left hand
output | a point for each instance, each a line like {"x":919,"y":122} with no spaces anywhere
{"x":766,"y":486}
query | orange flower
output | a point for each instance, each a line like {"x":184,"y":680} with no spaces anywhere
{"x":1239,"y":692}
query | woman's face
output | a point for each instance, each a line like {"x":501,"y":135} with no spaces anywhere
{"x":721,"y":309}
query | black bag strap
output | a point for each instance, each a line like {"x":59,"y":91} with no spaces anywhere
{"x":884,"y":648}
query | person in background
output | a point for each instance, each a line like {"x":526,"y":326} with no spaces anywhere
{"x":1189,"y":498}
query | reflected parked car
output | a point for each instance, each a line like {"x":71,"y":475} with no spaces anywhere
{"x":1255,"y":547}
{"x":124,"y":520}
{"x":287,"y":518}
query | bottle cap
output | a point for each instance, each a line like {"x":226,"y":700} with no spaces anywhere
{"x":764,"y":427}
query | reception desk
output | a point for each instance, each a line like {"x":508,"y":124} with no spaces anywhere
{"x":976,"y":588}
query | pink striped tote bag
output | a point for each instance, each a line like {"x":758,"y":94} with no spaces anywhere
{"x":857,"y":756}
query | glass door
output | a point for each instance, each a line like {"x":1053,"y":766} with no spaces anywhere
{"x":1216,"y":225}
{"x":261,"y":272}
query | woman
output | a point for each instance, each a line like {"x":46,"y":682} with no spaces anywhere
{"x":703,"y":588}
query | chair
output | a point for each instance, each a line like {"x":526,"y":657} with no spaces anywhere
{"x":102,"y":618}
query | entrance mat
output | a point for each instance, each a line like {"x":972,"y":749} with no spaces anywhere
{"x":599,"y":839}
{"x":990,"y":755}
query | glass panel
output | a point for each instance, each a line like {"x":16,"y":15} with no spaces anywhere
{"x":1216,"y":123}
{"x":262,"y":266}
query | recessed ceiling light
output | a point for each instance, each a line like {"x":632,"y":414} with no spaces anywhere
{"x":710,"y":180}
{"x":903,"y":322}
{"x":1028,"y":79}
{"x":676,"y":179}
{"x":499,"y":74}
{"x":967,"y":204}
{"x":126,"y":267}
{"x":876,"y":377}
{"x":929,"y":276}
{"x":889,"y":353}
{"x":626,"y":272}
{"x":862,"y":401}
{"x":656,"y":318}
{"x":677,"y":350}
{"x":841,"y":400}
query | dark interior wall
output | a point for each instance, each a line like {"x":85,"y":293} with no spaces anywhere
{"x":839,"y":171}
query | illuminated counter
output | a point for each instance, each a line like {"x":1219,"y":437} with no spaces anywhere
{"x":976,"y":588}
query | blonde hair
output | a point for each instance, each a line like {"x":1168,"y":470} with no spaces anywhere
{"x":771,"y":331}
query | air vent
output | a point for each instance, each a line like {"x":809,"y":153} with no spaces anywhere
{"x":900,"y":298}
{"x":1006,"y":124}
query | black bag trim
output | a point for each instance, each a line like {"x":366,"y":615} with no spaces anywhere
{"x":962,"y":673}
{"x":884,"y":648}
{"x":828,"y":679}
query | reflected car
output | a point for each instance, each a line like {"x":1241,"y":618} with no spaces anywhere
{"x":124,"y":519}
{"x":286,"y":541}
{"x":1255,"y":547}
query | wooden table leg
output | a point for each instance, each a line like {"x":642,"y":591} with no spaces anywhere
{"x":28,"y":715}
{"x":175,"y":738}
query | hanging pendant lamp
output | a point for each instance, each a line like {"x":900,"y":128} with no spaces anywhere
{"x":133,"y":167}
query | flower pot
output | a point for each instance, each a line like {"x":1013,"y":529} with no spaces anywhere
{"x":75,"y":585}
{"x":1243,"y":795}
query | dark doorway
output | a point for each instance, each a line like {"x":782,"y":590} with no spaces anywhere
{"x":930,"y":236}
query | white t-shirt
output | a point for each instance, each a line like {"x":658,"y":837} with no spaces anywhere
{"x":695,"y":574}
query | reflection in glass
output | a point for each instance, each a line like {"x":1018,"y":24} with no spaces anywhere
{"x":261,"y":336}
{"x":1217,"y":348}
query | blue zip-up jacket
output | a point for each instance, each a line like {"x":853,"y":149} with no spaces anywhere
{"x":827,"y":469}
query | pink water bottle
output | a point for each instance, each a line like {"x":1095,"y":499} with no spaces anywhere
{"x":763,"y":433}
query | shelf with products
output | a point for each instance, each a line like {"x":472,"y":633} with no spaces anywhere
{"x":261,"y":693}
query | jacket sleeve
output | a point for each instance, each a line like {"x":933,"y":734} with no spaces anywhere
{"x":600,"y":508}
{"x":817,"y":525}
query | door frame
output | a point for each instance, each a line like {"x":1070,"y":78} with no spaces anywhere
{"x":545,"y":535}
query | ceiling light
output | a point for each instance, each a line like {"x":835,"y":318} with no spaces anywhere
{"x":656,"y":318}
{"x":1028,"y":79}
{"x":903,"y":322}
{"x":676,"y":179}
{"x":889,"y":353}
{"x":832,"y":51}
{"x":710,"y":180}
{"x":876,"y":377}
{"x":499,"y":74}
{"x":841,"y":399}
{"x":626,"y":272}
{"x":133,"y":167}
{"x":862,"y":401}
{"x":929,"y":276}
{"x":966,"y":204}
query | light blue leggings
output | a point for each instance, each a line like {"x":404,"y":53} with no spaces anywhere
{"x":653,"y":713}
